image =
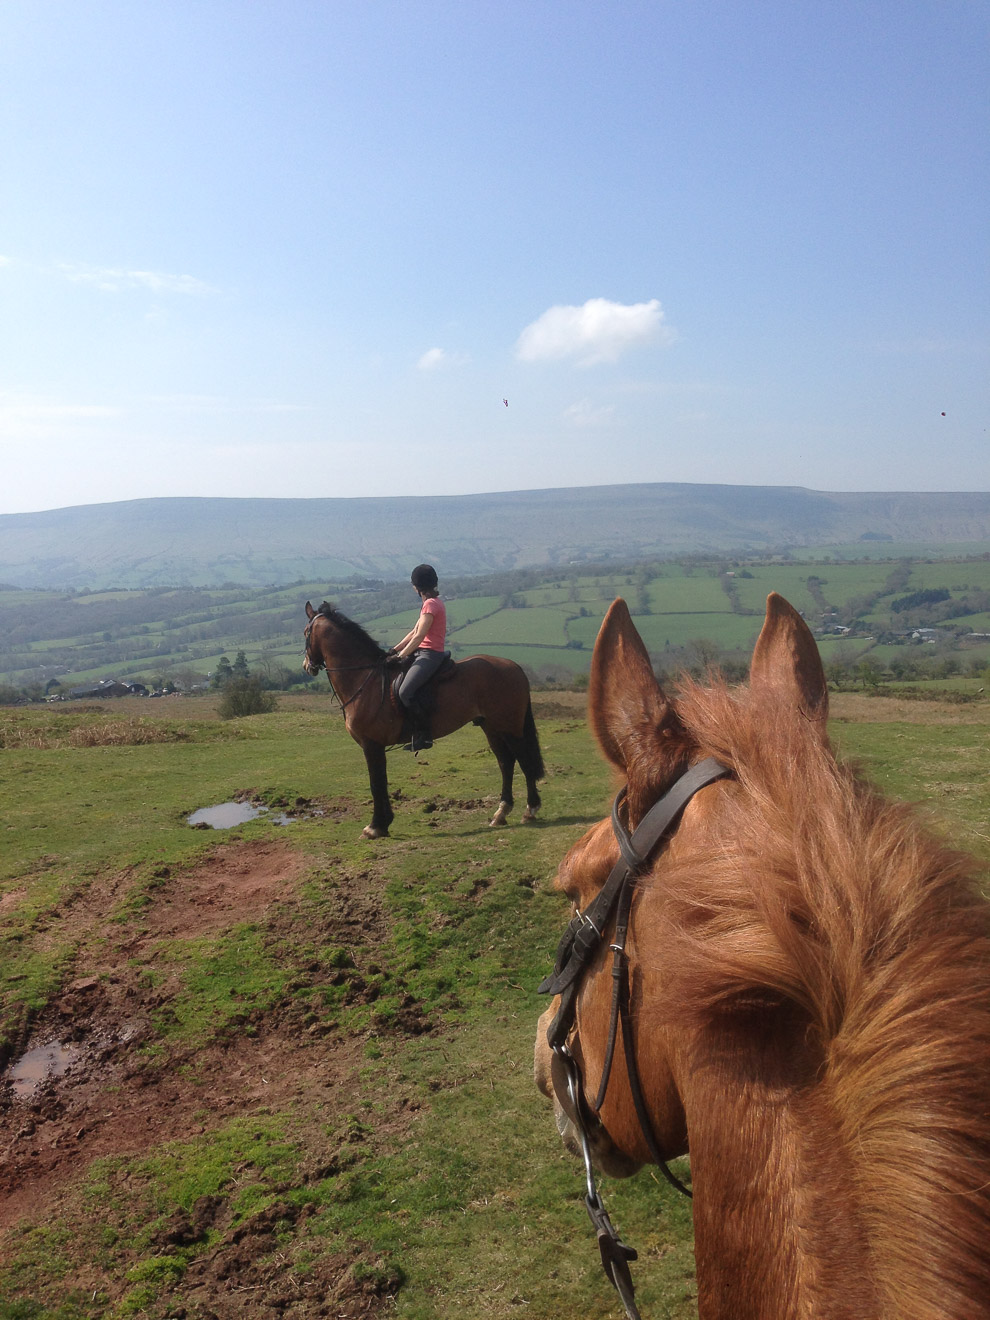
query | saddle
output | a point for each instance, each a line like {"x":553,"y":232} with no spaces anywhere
{"x":426,"y":696}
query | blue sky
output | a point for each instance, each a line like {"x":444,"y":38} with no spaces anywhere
{"x":308,"y":248}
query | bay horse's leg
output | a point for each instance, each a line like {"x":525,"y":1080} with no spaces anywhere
{"x":382,"y":814}
{"x":507,"y":764}
{"x":530,"y":758}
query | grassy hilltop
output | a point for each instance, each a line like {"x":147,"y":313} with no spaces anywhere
{"x":298,"y":1076}
{"x":288,"y":1071}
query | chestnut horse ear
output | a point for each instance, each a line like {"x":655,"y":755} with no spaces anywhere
{"x":626,"y":704}
{"x":310,"y":612}
{"x":786,"y":661}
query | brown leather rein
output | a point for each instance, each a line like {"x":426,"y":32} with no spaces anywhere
{"x":579,"y":945}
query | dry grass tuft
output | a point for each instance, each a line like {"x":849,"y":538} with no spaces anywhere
{"x":104,"y":732}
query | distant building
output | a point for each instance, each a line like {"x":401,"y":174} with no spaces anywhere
{"x":108,"y":687}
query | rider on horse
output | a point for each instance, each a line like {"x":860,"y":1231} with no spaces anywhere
{"x":426,"y":642}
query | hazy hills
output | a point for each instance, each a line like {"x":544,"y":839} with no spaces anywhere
{"x":203,"y":542}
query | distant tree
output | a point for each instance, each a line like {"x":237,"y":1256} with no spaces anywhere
{"x":222,"y":674}
{"x":239,"y":669}
{"x":244,"y":696}
{"x":931,"y":596}
{"x":868,"y":672}
{"x":838,"y":670}
{"x":186,"y":677}
{"x":704,"y":652}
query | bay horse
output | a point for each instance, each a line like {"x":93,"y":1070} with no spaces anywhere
{"x":485,"y":689}
{"x":802,"y":995}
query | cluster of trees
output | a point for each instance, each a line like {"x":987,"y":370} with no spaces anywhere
{"x":916,"y":598}
{"x":11,"y":695}
{"x":868,"y":671}
{"x":241,"y":692}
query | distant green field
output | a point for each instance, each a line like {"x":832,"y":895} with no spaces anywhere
{"x":547,"y":624}
{"x":698,"y":594}
{"x":462,"y":610}
{"x":858,"y":550}
{"x":973,"y":575}
{"x":547,"y":620}
{"x":552,"y":595}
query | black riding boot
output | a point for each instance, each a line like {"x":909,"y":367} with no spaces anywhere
{"x":420,"y":721}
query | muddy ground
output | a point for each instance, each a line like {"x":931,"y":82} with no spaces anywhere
{"x":114,"y":1098}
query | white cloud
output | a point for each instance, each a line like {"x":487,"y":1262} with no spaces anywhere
{"x":435,"y":358}
{"x":585,"y":413}
{"x":111,"y":279}
{"x":432,"y":359}
{"x":599,"y":331}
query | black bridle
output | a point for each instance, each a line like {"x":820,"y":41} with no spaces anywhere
{"x":579,"y":945}
{"x":373,"y":667}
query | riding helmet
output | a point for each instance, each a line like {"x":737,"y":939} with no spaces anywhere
{"x":424,"y":577}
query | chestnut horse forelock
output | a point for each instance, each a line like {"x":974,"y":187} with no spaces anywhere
{"x":800,"y":897}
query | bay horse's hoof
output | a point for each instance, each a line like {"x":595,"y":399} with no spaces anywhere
{"x":371,"y":832}
{"x":528,"y":816}
{"x":500,"y":816}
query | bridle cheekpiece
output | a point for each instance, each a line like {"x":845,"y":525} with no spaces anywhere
{"x":578,"y":946}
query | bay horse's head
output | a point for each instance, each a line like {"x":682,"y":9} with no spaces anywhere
{"x":333,"y":642}
{"x":652,"y":742}
{"x":313,"y":659}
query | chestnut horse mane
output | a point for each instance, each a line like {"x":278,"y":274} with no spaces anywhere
{"x":828,"y":905}
{"x":352,"y":631}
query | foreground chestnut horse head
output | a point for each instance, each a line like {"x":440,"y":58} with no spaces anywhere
{"x":809,"y":1002}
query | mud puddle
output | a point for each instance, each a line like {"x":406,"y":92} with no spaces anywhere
{"x":225,"y":815}
{"x":35,"y":1066}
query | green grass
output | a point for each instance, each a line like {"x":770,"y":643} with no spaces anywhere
{"x":944,"y":766}
{"x":472,"y":1202}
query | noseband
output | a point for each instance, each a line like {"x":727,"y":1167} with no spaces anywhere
{"x":579,"y":945}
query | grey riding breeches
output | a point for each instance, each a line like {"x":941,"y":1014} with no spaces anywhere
{"x":419,"y":672}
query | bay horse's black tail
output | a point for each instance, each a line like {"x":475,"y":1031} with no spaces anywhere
{"x":527,"y":748}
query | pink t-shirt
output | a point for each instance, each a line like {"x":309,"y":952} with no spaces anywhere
{"x":434,"y":639}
